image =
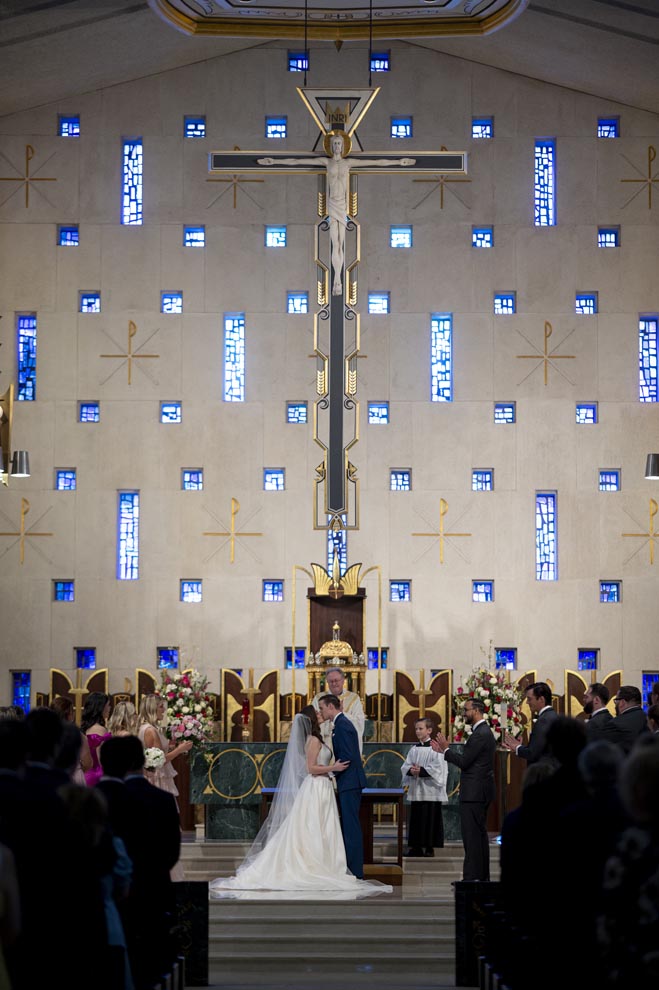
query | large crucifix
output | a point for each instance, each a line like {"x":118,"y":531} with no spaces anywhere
{"x":337,"y":112}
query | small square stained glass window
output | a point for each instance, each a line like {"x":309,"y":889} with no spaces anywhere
{"x":380,"y":61}
{"x":608,"y":237}
{"x":276,"y":127}
{"x":167,"y":657}
{"x":171,"y":302}
{"x":372,"y":657}
{"x":585,"y":303}
{"x":400,"y":591}
{"x":400,"y":237}
{"x":400,"y":480}
{"x":300,"y":654}
{"x":505,"y":303}
{"x":298,"y":61}
{"x":296,"y":412}
{"x":482,"y":127}
{"x":505,"y":657}
{"x":482,"y":237}
{"x":274,"y":479}
{"x":65,"y":480}
{"x":89,"y":412}
{"x":194,"y":127}
{"x":610,"y":592}
{"x":401,"y":127}
{"x":608,"y":127}
{"x":85,"y":657}
{"x":609,"y":480}
{"x":64,"y":591}
{"x":586,"y":413}
{"x":297,"y":302}
{"x":505,"y":412}
{"x":191,"y":591}
{"x":378,"y":413}
{"x":378,"y":303}
{"x":194,"y":237}
{"x":171,"y":412}
{"x":273,"y":591}
{"x":68,"y":236}
{"x":90,"y":302}
{"x":68,"y":126}
{"x":588,"y":659}
{"x":192,"y":479}
{"x":482,"y":591}
{"x":275,"y":237}
{"x":482,"y":480}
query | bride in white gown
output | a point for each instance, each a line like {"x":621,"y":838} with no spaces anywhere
{"x":300,"y":846}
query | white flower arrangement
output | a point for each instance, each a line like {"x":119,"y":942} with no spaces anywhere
{"x":186,"y":694}
{"x":154,"y":758}
{"x":502,"y":702}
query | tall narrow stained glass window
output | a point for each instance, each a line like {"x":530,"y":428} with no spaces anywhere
{"x":128,"y":537}
{"x":647,"y":359}
{"x":441,"y":357}
{"x":21,"y":683}
{"x":234,"y":357}
{"x":131,"y":184}
{"x":337,"y":542}
{"x":26,"y":330}
{"x":546,"y":537}
{"x":544,"y":183}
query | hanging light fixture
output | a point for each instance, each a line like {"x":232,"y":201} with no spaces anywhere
{"x":652,"y":467}
{"x":20,"y":464}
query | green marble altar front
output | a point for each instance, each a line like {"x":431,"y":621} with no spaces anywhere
{"x":227,"y":778}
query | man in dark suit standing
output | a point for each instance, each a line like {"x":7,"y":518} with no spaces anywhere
{"x":595,"y":701}
{"x":476,"y":764}
{"x":350,"y":783}
{"x":630,"y":721}
{"x":538,"y":697}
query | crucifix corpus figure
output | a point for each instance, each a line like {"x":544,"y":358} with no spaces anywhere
{"x":338,"y":165}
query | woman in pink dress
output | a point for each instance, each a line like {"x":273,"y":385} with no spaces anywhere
{"x":152,"y":712}
{"x":93,"y":725}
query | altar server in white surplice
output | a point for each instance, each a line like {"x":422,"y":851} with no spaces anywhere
{"x":351,"y":706}
{"x":425,"y":777}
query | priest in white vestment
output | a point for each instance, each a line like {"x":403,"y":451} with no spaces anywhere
{"x":351,"y":705}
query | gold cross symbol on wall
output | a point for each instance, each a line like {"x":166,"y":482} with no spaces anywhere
{"x":645,"y":180}
{"x":651,"y":535}
{"x":23,"y":533}
{"x":234,"y":183}
{"x":443,"y":509}
{"x":27,"y":178}
{"x":546,"y":357}
{"x":130,"y":356}
{"x":232,"y":533}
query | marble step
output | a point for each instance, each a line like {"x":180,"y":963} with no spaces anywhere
{"x":421,"y":913}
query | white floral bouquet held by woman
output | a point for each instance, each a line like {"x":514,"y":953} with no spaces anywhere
{"x":154,"y":758}
{"x":502,"y":702}
{"x":189,"y":707}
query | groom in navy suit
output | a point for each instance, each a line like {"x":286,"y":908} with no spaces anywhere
{"x":350,"y":782}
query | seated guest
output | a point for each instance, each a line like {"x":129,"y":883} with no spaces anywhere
{"x":68,"y":757}
{"x":93,"y":724}
{"x":630,"y":722}
{"x":44,"y":734}
{"x":64,"y":708}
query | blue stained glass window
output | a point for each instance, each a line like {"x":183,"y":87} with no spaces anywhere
{"x":608,"y":237}
{"x":588,"y":659}
{"x":298,"y":61}
{"x":482,"y":237}
{"x":400,"y":237}
{"x":21,"y":683}
{"x":192,"y":479}
{"x":191,"y":591}
{"x":400,"y":480}
{"x":85,"y":657}
{"x":297,"y":302}
{"x":505,"y":303}
{"x":273,"y":591}
{"x":482,"y":591}
{"x":482,"y":480}
{"x":64,"y":591}
{"x":167,"y":657}
{"x":90,"y":302}
{"x":296,"y":412}
{"x":586,"y":413}
{"x":380,"y":62}
{"x":276,"y":127}
{"x":400,"y":591}
{"x":648,"y":679}
{"x":608,"y":127}
{"x":337,"y":542}
{"x":274,"y":479}
{"x":275,"y":237}
{"x":194,"y":237}
{"x":372,"y":657}
{"x":128,"y":537}
{"x":68,"y":126}
{"x":505,"y":657}
{"x":441,"y":357}
{"x":609,"y":480}
{"x":401,"y":127}
{"x":505,"y":412}
{"x":378,"y":303}
{"x":170,"y":412}
{"x":482,"y":127}
{"x":194,"y":127}
{"x":89,"y":412}
{"x":544,"y":183}
{"x":68,"y":236}
{"x":171,"y":302}
{"x":26,"y":328}
{"x":300,"y":655}
{"x":647,"y":359}
{"x":65,"y":480}
{"x":546,"y":537}
{"x":131,"y":196}
{"x":234,"y":357}
{"x":610,"y":592}
{"x":378,"y":413}
{"x":585,"y":303}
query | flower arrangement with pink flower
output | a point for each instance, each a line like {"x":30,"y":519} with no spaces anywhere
{"x":502,"y":702}
{"x":189,"y":706}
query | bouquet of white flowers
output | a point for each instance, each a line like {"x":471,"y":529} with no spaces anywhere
{"x":502,"y":702}
{"x":154,"y":758}
{"x":189,"y":706}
